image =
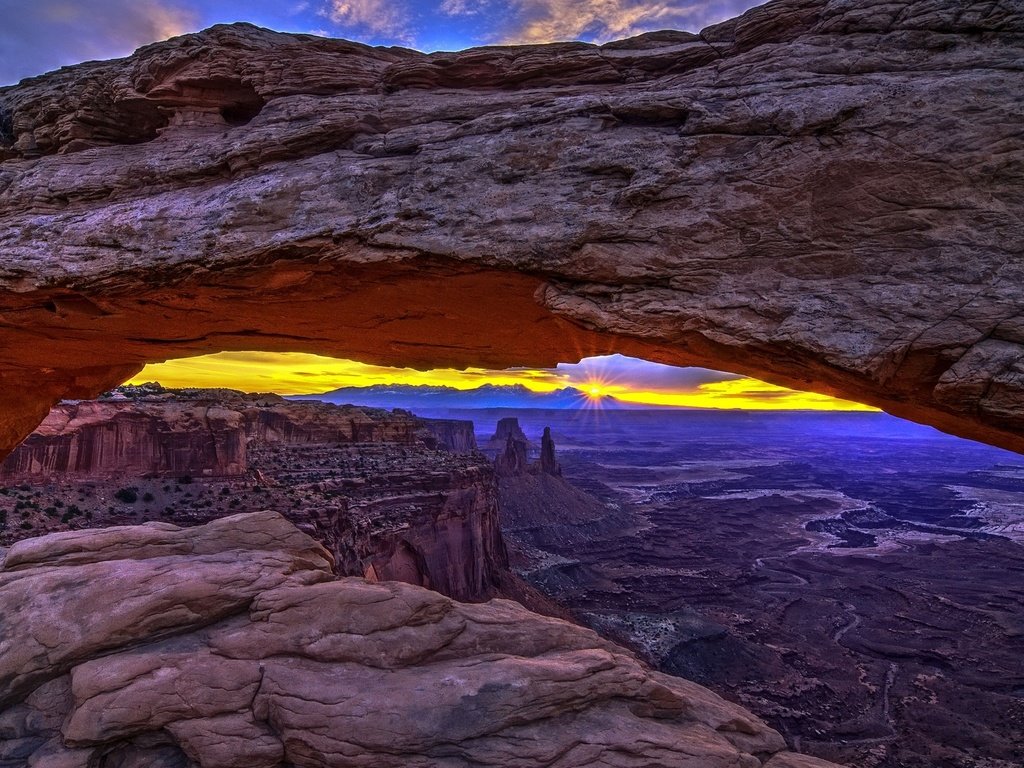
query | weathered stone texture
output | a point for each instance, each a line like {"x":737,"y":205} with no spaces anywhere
{"x":823,"y":193}
{"x":232,"y":645}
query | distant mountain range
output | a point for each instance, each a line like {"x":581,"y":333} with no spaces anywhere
{"x":411,"y":397}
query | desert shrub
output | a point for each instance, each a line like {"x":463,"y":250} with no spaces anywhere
{"x":27,"y":526}
{"x":185,"y":479}
{"x":147,"y":496}
{"x":127,"y":495}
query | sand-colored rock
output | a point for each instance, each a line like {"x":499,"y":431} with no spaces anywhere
{"x":822,"y":193}
{"x":90,"y":597}
{"x":246,"y":652}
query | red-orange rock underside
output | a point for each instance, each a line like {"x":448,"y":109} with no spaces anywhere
{"x":821,"y":194}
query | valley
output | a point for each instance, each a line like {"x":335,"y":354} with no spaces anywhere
{"x":857,"y":580}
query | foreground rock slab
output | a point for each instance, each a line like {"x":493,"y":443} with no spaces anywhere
{"x":822,"y":193}
{"x":231,"y":645}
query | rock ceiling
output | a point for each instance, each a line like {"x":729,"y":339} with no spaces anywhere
{"x":821,"y":193}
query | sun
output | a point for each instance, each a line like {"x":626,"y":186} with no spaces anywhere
{"x":594,"y":389}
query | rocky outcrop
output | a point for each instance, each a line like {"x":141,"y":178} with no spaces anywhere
{"x":508,"y":429}
{"x":454,"y":435}
{"x":204,"y":433}
{"x":233,"y":645}
{"x":547,"y":464}
{"x":391,"y":496}
{"x":104,"y":439}
{"x":513,"y":460}
{"x":419,"y":516}
{"x":821,"y":193}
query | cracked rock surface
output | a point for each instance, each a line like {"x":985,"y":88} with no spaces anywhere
{"x":823,"y":193}
{"x":232,"y":645}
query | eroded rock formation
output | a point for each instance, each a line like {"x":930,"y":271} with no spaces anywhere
{"x":507,"y":429}
{"x":821,"y":193}
{"x":221,"y":645}
{"x":390,"y":495}
{"x":547,"y":464}
{"x":512,"y":458}
{"x":204,"y":432}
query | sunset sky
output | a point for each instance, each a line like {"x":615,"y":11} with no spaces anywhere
{"x":42,"y":35}
{"x":628,"y":379}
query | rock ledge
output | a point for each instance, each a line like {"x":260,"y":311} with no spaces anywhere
{"x":231,"y":645}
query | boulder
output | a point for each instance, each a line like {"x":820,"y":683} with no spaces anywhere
{"x":232,"y":645}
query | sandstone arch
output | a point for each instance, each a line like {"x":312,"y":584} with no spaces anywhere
{"x":821,"y":193}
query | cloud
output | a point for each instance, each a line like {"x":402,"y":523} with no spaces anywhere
{"x":463,"y":7}
{"x":633,"y":373}
{"x":40,"y":36}
{"x":382,"y":20}
{"x":542,"y":21}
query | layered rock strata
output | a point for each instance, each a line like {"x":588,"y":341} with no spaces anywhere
{"x":205,"y":433}
{"x":507,"y":429}
{"x":383,"y":491}
{"x":233,"y":644}
{"x":821,"y":193}
{"x":390,"y":512}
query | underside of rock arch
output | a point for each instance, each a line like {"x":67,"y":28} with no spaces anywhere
{"x":824,"y":194}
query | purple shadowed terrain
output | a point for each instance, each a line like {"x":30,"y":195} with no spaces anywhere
{"x":856,"y":579}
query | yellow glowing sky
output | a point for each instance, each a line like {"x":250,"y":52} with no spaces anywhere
{"x":627,"y":379}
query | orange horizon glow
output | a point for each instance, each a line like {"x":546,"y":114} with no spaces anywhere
{"x":294,"y":373}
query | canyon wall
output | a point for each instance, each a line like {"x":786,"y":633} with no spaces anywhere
{"x":416,"y":515}
{"x":392,"y":496}
{"x":820,"y":193}
{"x":204,"y":433}
{"x":108,"y":439}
